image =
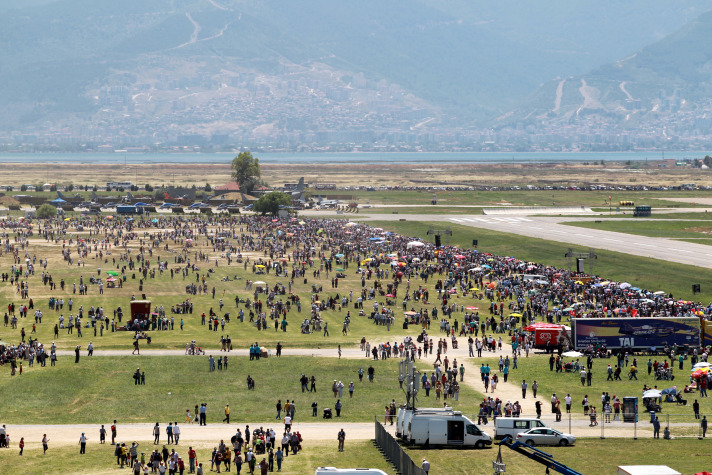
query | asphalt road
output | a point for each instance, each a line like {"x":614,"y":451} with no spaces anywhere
{"x":549,"y":228}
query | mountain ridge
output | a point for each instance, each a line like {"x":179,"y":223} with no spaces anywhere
{"x":97,"y":66}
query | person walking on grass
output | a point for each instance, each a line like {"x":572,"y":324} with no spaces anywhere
{"x":703,"y":426}
{"x":82,"y":444}
{"x":341,"y":437}
{"x":45,"y":441}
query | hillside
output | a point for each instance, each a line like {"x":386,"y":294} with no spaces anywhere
{"x":666,"y":85}
{"x":141,"y":72}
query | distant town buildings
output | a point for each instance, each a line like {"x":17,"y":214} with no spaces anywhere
{"x":318,"y":111}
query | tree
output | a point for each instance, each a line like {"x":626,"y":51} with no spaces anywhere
{"x":208,"y":188}
{"x":246,"y":171}
{"x":46,"y":211}
{"x":269,"y":203}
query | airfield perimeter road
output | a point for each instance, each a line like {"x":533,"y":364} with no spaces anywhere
{"x":545,"y":227}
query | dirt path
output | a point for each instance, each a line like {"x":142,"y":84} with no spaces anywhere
{"x":559,"y":94}
{"x":191,"y":434}
{"x":194,"y":35}
{"x":625,"y":91}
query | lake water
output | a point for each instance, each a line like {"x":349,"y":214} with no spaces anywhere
{"x":354,"y":157}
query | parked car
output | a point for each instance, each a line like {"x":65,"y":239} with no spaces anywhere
{"x":546,"y":436}
{"x":512,"y":426}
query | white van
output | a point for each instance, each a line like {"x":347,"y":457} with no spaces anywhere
{"x":445,"y":429}
{"x":404,"y":416}
{"x":514,"y":425}
{"x":348,"y":471}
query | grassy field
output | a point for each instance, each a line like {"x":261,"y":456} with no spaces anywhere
{"x":99,"y":459}
{"x":588,"y":456}
{"x":170,"y":291}
{"x":101,"y":389}
{"x":520,"y":197}
{"x":639,"y":271}
{"x":700,"y":231}
{"x":537,"y":368}
{"x":692,"y":216}
{"x":435,"y":210}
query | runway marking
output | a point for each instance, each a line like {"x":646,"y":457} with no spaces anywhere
{"x":643,"y":244}
{"x":611,"y":239}
{"x":493,"y":220}
{"x":680,"y":250}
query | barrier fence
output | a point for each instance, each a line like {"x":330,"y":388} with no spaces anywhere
{"x":394,"y":452}
{"x":679,"y":425}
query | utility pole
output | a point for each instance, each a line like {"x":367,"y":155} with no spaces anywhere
{"x":407,"y":370}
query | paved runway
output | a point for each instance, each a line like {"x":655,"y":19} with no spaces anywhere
{"x":699,"y":255}
{"x":549,"y":228}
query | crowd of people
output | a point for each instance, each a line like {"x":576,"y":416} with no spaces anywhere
{"x":394,"y":274}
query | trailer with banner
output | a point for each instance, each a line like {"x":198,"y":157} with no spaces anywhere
{"x":636,"y":332}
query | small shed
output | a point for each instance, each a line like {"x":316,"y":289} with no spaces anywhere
{"x":140,"y":310}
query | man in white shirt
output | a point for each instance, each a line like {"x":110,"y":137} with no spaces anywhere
{"x":287,"y":423}
{"x":426,"y":466}
{"x":553,"y":402}
{"x":568,"y":403}
{"x":176,"y":432}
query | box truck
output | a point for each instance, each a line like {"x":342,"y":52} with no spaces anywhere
{"x":445,"y":429}
{"x":404,"y":416}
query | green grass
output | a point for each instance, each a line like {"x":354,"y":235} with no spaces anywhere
{"x":167,"y":291}
{"x":588,"y":456}
{"x":640,"y":271}
{"x":683,"y":229}
{"x":470,"y":210}
{"x":537,"y":368}
{"x":692,"y":216}
{"x":99,"y":459}
{"x":101,"y":389}
{"x":523,"y":197}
